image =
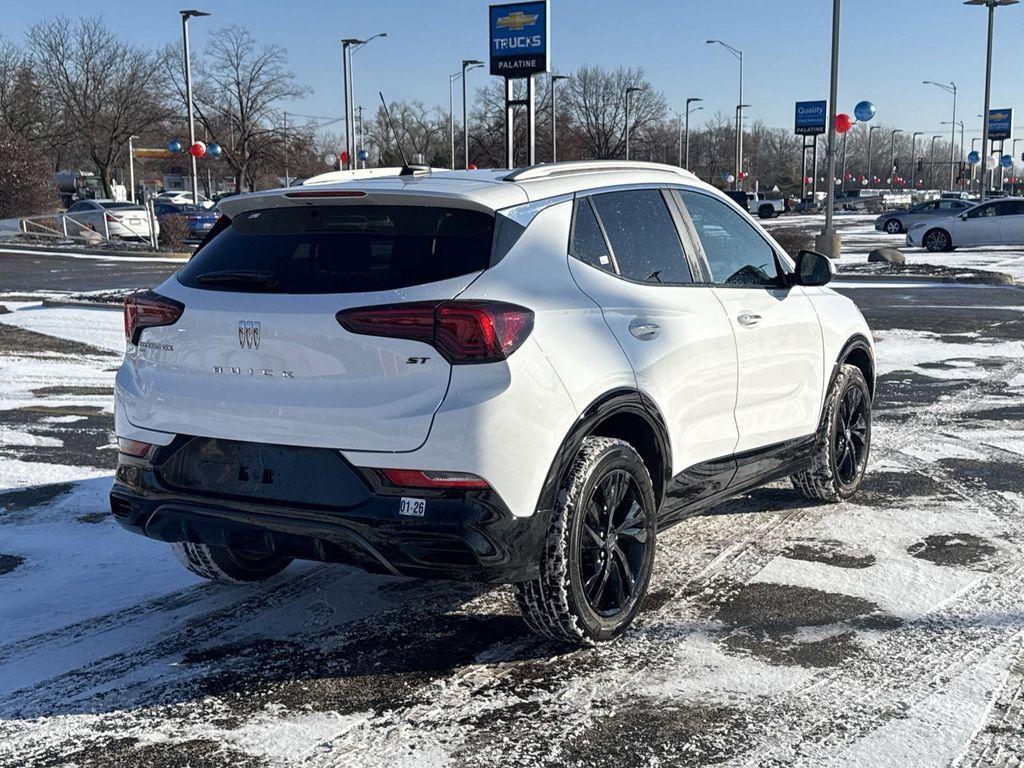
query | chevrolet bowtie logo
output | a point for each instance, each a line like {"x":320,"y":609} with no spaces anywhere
{"x":517,"y":21}
{"x":998,"y":115}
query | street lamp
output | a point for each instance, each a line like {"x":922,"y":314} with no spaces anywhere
{"x":828,"y":242}
{"x":959,"y":123}
{"x":871,"y":132}
{"x":686,"y":155}
{"x":349,"y":46}
{"x":991,"y":4}
{"x":630,"y":90}
{"x":739,"y":114}
{"x":739,"y":111}
{"x":892,"y":156}
{"x":913,"y":151}
{"x":185,"y":16}
{"x":467,"y":64}
{"x":131,"y":168}
{"x":554,"y":116}
{"x":451,"y":111}
{"x":951,"y":88}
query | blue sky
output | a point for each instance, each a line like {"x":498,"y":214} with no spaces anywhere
{"x":888,"y":48}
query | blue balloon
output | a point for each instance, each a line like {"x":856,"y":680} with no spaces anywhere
{"x":213,"y":150}
{"x":175,"y":146}
{"x":974,"y":157}
{"x":1006,"y":161}
{"x":363,"y":154}
{"x":864,"y":111}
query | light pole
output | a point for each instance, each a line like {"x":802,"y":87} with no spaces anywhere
{"x":630,"y":90}
{"x":871,"y":132}
{"x":959,"y":123}
{"x":451,"y":111}
{"x":931,"y":163}
{"x":554,"y":116}
{"x":349,"y":46}
{"x":828,"y":242}
{"x":892,"y":156}
{"x":991,"y":4}
{"x":467,"y":64}
{"x":686,"y":153}
{"x":185,"y":16}
{"x":913,"y":152}
{"x":739,"y":111}
{"x":131,"y":169}
{"x":951,"y":88}
{"x":739,"y":114}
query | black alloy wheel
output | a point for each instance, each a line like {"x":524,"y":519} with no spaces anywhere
{"x":851,"y":436}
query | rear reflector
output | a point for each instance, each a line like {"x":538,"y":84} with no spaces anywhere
{"x":463,"y":331}
{"x":147,"y":309}
{"x":133,"y":447}
{"x":417,"y":478}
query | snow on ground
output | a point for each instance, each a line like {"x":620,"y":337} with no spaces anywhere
{"x":881,"y":631}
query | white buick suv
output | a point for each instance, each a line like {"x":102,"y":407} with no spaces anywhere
{"x":508,"y":377}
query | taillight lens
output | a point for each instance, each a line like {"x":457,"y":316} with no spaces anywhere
{"x":147,"y":309}
{"x":463,"y":331}
{"x":420,"y":478}
{"x":133,"y":447}
{"x":110,"y":217}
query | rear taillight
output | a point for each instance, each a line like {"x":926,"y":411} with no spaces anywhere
{"x":147,"y":309}
{"x":110,"y":217}
{"x":463,"y":331}
{"x":133,"y":447}
{"x":419,"y":478}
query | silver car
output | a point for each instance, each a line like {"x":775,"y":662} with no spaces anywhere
{"x":111,"y":218}
{"x":897,"y":222}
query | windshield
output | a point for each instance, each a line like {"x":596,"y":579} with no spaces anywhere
{"x":341,"y":249}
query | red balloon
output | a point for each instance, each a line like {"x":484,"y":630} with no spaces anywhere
{"x":197,"y":150}
{"x":843,"y":123}
{"x":344,"y":157}
{"x":471,"y":167}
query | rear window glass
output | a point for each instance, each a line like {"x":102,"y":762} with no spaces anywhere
{"x":341,"y":249}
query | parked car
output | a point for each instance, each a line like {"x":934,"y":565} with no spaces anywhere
{"x":181,"y":197}
{"x":199,"y":220}
{"x":997,"y":222}
{"x":897,"y":222}
{"x":112,"y":218}
{"x":507,"y":377}
{"x":758,"y":202}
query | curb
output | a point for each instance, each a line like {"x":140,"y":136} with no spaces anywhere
{"x":974,"y":278}
{"x":79,"y":303}
{"x":18,"y":247}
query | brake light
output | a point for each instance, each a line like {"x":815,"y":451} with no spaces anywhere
{"x":463,"y":331}
{"x":147,"y":309}
{"x":133,"y":447}
{"x":110,"y":217}
{"x":418,"y":478}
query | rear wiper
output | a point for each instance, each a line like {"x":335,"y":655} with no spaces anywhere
{"x":240,"y":277}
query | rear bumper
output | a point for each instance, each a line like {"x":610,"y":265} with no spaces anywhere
{"x":468,"y":535}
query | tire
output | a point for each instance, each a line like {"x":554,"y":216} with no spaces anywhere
{"x":937,"y":240}
{"x":894,"y":226}
{"x":766,"y":212}
{"x":591,"y":587}
{"x":843,"y":442}
{"x":227,"y":565}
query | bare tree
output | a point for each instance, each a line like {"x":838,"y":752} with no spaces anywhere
{"x":238,"y":90}
{"x":105,"y":89}
{"x":421,"y":132}
{"x":598,"y":105}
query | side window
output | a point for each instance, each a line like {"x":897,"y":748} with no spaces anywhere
{"x":643,"y":236}
{"x":588,"y":243}
{"x":982,"y":211}
{"x":1015,"y":208}
{"x":736,"y":253}
{"x":1006,"y":208}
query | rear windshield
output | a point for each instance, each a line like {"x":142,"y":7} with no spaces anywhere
{"x":341,"y":249}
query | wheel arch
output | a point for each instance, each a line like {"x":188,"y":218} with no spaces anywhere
{"x":626,"y":414}
{"x":857,"y":351}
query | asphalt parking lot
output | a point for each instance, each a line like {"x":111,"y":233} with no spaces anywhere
{"x":882,"y":631}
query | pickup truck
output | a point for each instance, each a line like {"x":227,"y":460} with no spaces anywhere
{"x":759,"y":203}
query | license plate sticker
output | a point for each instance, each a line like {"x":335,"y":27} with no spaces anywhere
{"x":412,"y":507}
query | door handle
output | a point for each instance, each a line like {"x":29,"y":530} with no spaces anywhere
{"x":645,"y":330}
{"x":748,"y":319}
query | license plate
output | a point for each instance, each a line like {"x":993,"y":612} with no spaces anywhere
{"x":136,"y":222}
{"x":412,"y":507}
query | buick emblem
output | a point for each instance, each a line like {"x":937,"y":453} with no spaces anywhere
{"x":249,"y":334}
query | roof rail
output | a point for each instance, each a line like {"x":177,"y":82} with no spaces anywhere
{"x":361,"y":174}
{"x":548,"y":170}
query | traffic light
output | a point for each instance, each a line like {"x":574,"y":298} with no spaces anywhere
{"x":896,"y":165}
{"x":920,"y":164}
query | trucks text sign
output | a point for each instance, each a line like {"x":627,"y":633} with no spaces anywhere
{"x":1000,"y":124}
{"x":519,"y":38}
{"x":811,"y":117}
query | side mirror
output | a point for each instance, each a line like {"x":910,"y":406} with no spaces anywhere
{"x":813,"y":268}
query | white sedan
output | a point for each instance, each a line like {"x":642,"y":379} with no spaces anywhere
{"x":999,"y":222}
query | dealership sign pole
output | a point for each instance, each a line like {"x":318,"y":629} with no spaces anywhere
{"x":520,"y":35}
{"x":811,"y":119}
{"x":1000,"y":127}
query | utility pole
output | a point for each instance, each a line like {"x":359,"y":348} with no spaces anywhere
{"x":686,"y":157}
{"x":931,"y":163}
{"x":892,"y":157}
{"x":185,"y":16}
{"x":828,"y":242}
{"x":630,"y":90}
{"x":349,"y":46}
{"x":554,"y":116}
{"x":913,"y":153}
{"x":871,"y":132}
{"x":286,"y":179}
{"x":131,"y":169}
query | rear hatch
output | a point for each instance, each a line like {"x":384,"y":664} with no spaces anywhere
{"x":258,"y":354}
